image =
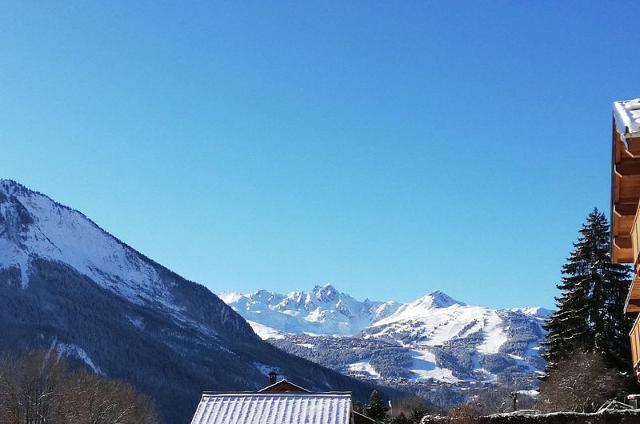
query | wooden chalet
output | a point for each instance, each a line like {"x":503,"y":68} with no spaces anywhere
{"x":625,"y":201}
{"x":281,"y":402}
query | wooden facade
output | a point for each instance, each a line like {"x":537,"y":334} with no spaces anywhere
{"x":283,"y":386}
{"x":625,"y":205}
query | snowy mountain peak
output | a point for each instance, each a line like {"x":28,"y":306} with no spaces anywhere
{"x":433,"y":338}
{"x":7,"y":186}
{"x":323,"y":310}
{"x":439,"y":299}
{"x":10,"y":186}
{"x":326,"y":293}
{"x":33,"y":226}
{"x":535,"y":311}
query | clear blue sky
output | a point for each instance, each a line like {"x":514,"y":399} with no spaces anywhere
{"x":390,"y":148}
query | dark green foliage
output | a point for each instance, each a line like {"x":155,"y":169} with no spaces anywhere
{"x":389,"y":359}
{"x":589,"y":315}
{"x":375,"y":408}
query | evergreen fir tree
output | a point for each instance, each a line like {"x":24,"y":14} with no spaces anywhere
{"x":590,"y":315}
{"x":375,"y":408}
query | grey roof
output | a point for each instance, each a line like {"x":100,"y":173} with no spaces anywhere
{"x":627,"y":117}
{"x":274,"y":408}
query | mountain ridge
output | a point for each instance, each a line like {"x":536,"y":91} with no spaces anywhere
{"x":433,"y":344}
{"x":261,"y":299}
{"x":68,"y":285}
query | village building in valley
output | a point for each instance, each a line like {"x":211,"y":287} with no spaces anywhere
{"x":625,"y":210}
{"x":281,"y":402}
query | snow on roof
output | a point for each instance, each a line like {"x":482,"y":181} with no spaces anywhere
{"x":274,"y":408}
{"x":627,"y":117}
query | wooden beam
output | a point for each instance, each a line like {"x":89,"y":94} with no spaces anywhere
{"x":622,"y":217}
{"x":622,"y":250}
{"x":623,"y":242}
{"x":626,"y":188}
{"x":627,"y":168}
{"x":617,"y":144}
{"x":620,"y":151}
{"x":622,"y":225}
{"x":632,"y":306}
{"x":633,"y":146}
{"x":625,"y":209}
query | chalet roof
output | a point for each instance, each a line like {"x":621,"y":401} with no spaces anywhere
{"x":274,"y":408}
{"x":283,"y":386}
{"x":627,"y":117}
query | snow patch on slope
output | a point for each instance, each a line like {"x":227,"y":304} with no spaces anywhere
{"x":364,"y":367}
{"x":12,"y":257}
{"x":425,"y":368}
{"x":494,"y":335}
{"x":264,"y":332}
{"x":74,"y":351}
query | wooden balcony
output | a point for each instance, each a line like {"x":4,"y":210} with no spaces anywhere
{"x":635,"y":346}
{"x":625,"y":211}
{"x":625,"y":197}
{"x":631,"y":227}
{"x":633,"y":297}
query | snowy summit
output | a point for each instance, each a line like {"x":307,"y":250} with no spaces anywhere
{"x":434,"y":338}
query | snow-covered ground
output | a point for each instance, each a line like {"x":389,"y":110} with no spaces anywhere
{"x":493,"y":334}
{"x":425,"y":368}
{"x":364,"y":367}
{"x":265,"y":332}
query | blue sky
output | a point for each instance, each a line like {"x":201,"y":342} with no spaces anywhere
{"x":390,"y":148}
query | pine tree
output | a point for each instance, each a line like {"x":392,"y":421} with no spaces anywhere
{"x":590,"y":315}
{"x":375,"y":408}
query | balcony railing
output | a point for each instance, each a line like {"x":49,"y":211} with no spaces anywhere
{"x":635,"y":235}
{"x":635,"y":345}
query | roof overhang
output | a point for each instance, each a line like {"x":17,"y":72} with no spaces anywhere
{"x":626,"y":114}
{"x":274,"y":408}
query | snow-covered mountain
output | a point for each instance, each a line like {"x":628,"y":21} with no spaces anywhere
{"x":68,"y":286}
{"x":432,"y":340}
{"x":323,"y":311}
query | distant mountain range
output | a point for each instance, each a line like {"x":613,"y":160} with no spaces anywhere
{"x":69,"y":286}
{"x":432,"y":342}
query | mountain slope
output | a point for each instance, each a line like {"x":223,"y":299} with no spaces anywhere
{"x":434,"y":344}
{"x":66,"y":284}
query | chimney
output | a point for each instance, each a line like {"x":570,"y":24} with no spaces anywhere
{"x":272,"y":377}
